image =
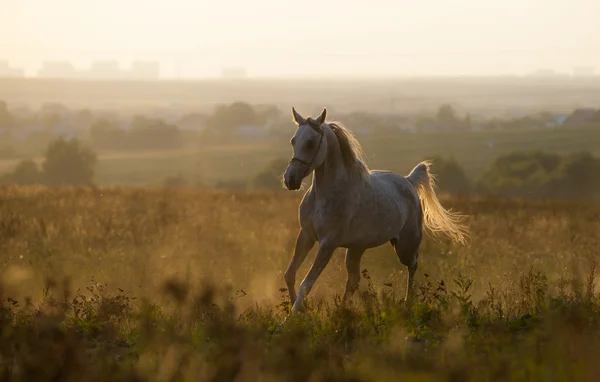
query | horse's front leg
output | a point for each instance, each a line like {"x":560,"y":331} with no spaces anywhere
{"x":323,"y":256}
{"x":304,"y":244}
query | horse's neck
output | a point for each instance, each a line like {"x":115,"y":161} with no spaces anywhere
{"x":332,"y":174}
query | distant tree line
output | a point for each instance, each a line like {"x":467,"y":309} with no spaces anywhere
{"x":70,"y":161}
{"x":446,"y":118}
{"x":148,"y":133}
{"x":24,"y":129}
{"x":143,"y":133}
{"x":533,"y":174}
{"x":65,"y":163}
{"x":542,"y":175}
{"x":520,"y":174}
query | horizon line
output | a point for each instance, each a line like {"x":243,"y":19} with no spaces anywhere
{"x":324,"y":77}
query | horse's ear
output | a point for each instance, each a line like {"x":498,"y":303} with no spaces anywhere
{"x":297,"y":117}
{"x":321,"y":118}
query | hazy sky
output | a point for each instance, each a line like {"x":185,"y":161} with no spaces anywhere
{"x":307,"y":37}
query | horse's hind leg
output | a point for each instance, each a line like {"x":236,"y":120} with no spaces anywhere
{"x":353,"y":257}
{"x":412,"y":269}
{"x":304,"y":244}
{"x":407,"y":250}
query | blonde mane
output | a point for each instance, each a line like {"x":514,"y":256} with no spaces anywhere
{"x":351,"y":150}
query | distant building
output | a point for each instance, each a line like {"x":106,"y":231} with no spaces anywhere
{"x":145,"y":70}
{"x":233,"y":72}
{"x":57,"y":69}
{"x":7,"y":71}
{"x":105,"y":70}
{"x":543,"y":73}
{"x":100,"y":70}
{"x":583,"y":71}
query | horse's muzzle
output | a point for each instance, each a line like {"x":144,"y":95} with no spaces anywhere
{"x":293,"y":182}
{"x":293,"y":177}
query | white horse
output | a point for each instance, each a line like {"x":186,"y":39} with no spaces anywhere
{"x":352,"y":207}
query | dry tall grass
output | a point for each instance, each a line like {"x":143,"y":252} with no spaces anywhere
{"x":518,"y":303}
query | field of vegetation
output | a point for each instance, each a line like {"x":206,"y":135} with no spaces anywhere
{"x":104,"y":277}
{"x":186,"y":284}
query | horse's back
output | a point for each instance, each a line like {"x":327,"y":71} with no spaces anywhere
{"x":396,"y":182}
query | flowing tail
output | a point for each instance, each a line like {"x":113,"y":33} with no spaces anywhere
{"x":436,"y":218}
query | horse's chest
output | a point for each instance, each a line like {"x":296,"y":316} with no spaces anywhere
{"x":327,"y":219}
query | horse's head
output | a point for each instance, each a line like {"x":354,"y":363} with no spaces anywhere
{"x":310,"y":149}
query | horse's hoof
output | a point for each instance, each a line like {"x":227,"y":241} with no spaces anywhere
{"x":279,"y":327}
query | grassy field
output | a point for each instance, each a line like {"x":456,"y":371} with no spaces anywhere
{"x":398,"y":152}
{"x":180,"y":285}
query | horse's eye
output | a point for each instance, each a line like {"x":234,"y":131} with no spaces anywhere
{"x":310,"y":144}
